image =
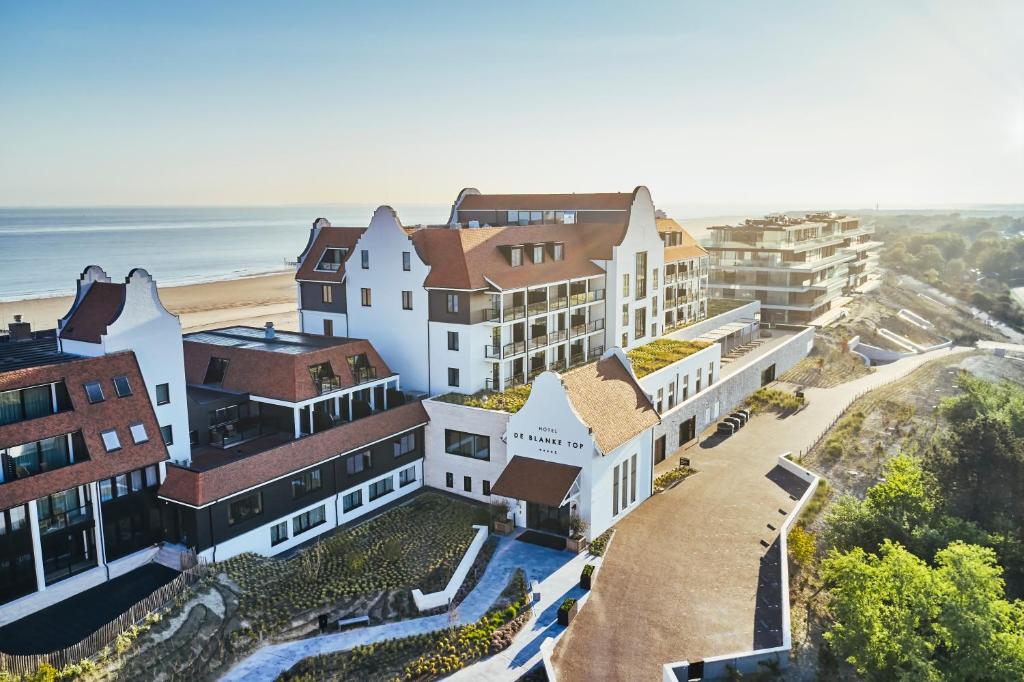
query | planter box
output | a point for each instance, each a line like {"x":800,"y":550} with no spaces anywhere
{"x":503,"y":527}
{"x":575,"y":545}
{"x":586,"y":579}
{"x":565,"y":617}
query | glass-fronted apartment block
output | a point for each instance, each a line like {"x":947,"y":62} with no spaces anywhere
{"x":796,"y":267}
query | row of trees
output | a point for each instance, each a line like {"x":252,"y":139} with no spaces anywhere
{"x":924,"y":570}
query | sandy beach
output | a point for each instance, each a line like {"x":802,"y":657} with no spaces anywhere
{"x":250,"y":300}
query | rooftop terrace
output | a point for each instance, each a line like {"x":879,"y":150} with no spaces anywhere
{"x":31,"y":353}
{"x":253,"y":338}
{"x":661,"y":353}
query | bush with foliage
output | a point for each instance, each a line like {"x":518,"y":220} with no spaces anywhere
{"x":567,"y":605}
{"x":802,"y":545}
{"x":510,"y":400}
{"x":773,"y":399}
{"x":667,"y":479}
{"x":661,"y":353}
{"x":417,"y":544}
{"x":600,"y":543}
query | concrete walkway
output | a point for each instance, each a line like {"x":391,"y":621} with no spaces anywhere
{"x":540,"y":563}
{"x":687,"y":576}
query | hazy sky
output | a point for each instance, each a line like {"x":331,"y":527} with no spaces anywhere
{"x":794,"y":104}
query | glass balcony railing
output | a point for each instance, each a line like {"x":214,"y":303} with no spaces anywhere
{"x":492,"y":351}
{"x":514,"y":348}
{"x":362,"y":375}
{"x":559,"y":303}
{"x":516,"y":312}
{"x":537,"y":307}
{"x":538,"y":341}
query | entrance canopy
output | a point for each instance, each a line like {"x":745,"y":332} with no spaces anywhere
{"x":536,"y":480}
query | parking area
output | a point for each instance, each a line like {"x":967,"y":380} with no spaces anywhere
{"x":693,"y":572}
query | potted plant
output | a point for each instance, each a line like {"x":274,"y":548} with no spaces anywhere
{"x":567,"y":611}
{"x":500,"y":511}
{"x":586,"y":576}
{"x":577,"y":541}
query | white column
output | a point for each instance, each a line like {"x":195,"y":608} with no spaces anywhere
{"x":373,"y":397}
{"x":298,"y":427}
{"x":311,"y":418}
{"x":37,"y":546}
{"x":101,"y":551}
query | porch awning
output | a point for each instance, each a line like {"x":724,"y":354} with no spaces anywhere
{"x":536,"y":480}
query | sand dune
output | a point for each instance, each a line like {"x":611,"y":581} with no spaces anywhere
{"x":250,"y":300}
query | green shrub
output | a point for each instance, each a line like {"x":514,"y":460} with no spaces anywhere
{"x":567,"y":605}
{"x":661,"y":353}
{"x":773,"y":399}
{"x":598,"y":544}
{"x":588,"y":570}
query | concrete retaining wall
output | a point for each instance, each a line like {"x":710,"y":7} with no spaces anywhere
{"x":425,"y":602}
{"x":748,"y":662}
{"x":744,"y":312}
{"x":914,"y":319}
{"x":730,"y":391}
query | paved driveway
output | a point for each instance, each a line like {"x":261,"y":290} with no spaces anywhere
{"x":683,"y":578}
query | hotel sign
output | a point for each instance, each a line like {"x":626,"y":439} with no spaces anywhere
{"x":546,"y":436}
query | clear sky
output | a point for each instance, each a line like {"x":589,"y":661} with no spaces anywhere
{"x":794,"y":104}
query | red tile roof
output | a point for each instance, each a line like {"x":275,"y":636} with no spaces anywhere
{"x":688,"y":246}
{"x":536,"y":480}
{"x":283,"y":376}
{"x":90,"y":419}
{"x":471,"y":258}
{"x":101,"y":305}
{"x":329,"y":237}
{"x":201,"y":488}
{"x":595,"y":201}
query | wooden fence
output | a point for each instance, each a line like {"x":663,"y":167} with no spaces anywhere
{"x":105,"y":635}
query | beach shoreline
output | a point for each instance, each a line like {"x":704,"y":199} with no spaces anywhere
{"x":246,"y":300}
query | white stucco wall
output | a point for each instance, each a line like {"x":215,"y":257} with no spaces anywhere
{"x":145,"y":327}
{"x":686,"y":369}
{"x":438,"y":463}
{"x":312,"y":322}
{"x":399,"y":335}
{"x":641,"y":235}
{"x":469,"y":359}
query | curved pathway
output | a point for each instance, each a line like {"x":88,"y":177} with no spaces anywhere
{"x":688,"y":575}
{"x":540,"y":563}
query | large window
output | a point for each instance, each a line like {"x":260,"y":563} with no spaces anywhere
{"x":632,"y":479}
{"x":214,"y":373}
{"x":641,"y":275}
{"x":381,"y":488}
{"x":311,"y":519}
{"x":305,"y":483}
{"x":67,"y":533}
{"x":407,"y":476}
{"x":359,"y":462}
{"x":625,"y":477}
{"x":327,"y":294}
{"x":29,"y":459}
{"x":453,"y":303}
{"x":640,"y":323}
{"x":558,"y":251}
{"x":405,"y":444}
{"x":364,"y":259}
{"x":453,"y":340}
{"x":163,"y":391}
{"x":453,"y":376}
{"x":516,"y":256}
{"x":406,"y":261}
{"x":29,"y":403}
{"x":245,"y":508}
{"x":625,"y":286}
{"x":17,"y":567}
{"x":467,"y":444}
{"x":353,"y":500}
{"x":615,"y":491}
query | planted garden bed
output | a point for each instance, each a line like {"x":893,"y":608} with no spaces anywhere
{"x":672,"y":478}
{"x":425,"y":657}
{"x":415,"y":545}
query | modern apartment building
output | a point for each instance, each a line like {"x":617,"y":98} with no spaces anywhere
{"x":796,"y":267}
{"x":87,"y":415}
{"x":512,"y":285}
{"x":291,"y":436}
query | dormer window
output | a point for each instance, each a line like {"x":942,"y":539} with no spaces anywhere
{"x":324,"y":378}
{"x":332,"y":259}
{"x":558,"y":251}
{"x":515,"y":256}
{"x":215,"y":371}
{"x":538,"y":253}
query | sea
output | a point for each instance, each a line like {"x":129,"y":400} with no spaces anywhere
{"x":43,"y":250}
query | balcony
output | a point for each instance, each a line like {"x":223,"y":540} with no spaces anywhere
{"x":535,"y":372}
{"x":558,"y":335}
{"x":516,"y":312}
{"x":586,"y":297}
{"x":588,"y":328}
{"x":537,"y":308}
{"x":325,"y":266}
{"x":514,"y":380}
{"x":595,"y":352}
{"x":65,"y":520}
{"x":559,"y":303}
{"x":240,"y":431}
{"x":493,"y":352}
{"x":328,"y":384}
{"x":538,"y":341}
{"x":514,"y":348}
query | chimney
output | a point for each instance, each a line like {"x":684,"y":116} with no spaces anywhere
{"x":20,"y":331}
{"x":268,"y":331}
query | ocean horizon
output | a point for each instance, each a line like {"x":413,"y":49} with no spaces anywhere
{"x":43,"y":250}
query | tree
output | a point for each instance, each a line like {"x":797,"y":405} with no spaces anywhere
{"x":955,"y":270}
{"x":930,"y":258}
{"x":882,"y":608}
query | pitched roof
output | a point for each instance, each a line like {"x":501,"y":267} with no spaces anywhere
{"x":472,"y":258}
{"x":688,"y":246}
{"x":595,"y":201}
{"x":536,"y":480}
{"x":99,"y":308}
{"x":328,"y":238}
{"x":201,"y":488}
{"x":275,"y":368}
{"x":88,"y":418}
{"x":608,"y":400}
